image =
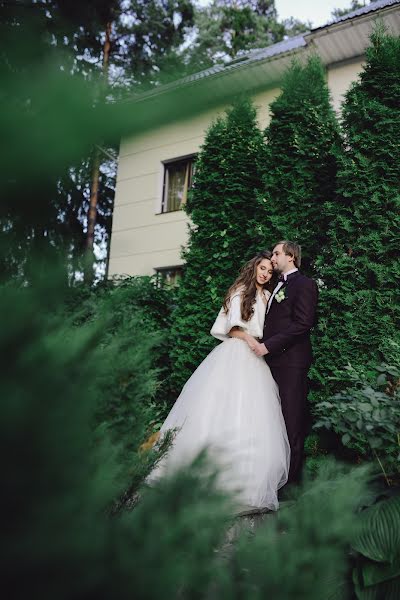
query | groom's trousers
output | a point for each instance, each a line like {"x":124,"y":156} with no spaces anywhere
{"x":293,"y":390}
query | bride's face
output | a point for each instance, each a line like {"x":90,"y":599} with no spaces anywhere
{"x":264,"y":271}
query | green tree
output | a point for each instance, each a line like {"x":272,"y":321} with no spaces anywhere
{"x":360,"y":313}
{"x":299,"y":175}
{"x":45,"y":35}
{"x":226,"y":182}
{"x":228,"y":27}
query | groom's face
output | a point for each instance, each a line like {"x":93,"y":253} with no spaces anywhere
{"x":281,"y":262}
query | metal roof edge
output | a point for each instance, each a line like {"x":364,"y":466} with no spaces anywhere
{"x":373,"y":7}
{"x":221,"y":72}
{"x":267,"y":54}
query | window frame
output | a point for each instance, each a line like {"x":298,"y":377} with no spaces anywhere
{"x":188,"y":158}
{"x":160,"y":271}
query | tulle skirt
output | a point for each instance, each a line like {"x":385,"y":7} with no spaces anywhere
{"x":231,"y":407}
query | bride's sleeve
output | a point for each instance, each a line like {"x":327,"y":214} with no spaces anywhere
{"x":225,"y":321}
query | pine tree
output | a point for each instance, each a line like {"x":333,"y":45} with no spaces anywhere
{"x":221,"y":240}
{"x":300,"y":167}
{"x":360,"y":268}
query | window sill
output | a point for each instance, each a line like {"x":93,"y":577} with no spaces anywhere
{"x":168,"y":212}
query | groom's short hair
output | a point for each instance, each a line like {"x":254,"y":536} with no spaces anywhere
{"x":292,"y":249}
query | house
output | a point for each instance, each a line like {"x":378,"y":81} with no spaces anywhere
{"x":155,"y":168}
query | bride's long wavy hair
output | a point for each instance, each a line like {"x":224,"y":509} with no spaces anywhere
{"x":247,"y":280}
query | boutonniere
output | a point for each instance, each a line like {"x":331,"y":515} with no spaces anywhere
{"x":279,"y":296}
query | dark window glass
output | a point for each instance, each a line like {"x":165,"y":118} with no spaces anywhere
{"x":178,"y":177}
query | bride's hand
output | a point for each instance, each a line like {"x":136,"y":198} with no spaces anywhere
{"x":250,"y":341}
{"x":246,"y":337}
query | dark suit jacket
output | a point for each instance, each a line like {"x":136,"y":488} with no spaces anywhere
{"x":287,"y":324}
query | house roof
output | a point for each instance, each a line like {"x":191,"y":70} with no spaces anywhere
{"x":345,"y":39}
{"x":249,"y":57}
{"x":341,"y":39}
{"x":372,"y":7}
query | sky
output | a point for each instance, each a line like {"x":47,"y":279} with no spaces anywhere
{"x":316,"y":11}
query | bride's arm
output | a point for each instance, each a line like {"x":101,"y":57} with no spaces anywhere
{"x":230,"y":323}
{"x":236,"y":332}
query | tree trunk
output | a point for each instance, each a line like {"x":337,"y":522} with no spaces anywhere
{"x":94,"y":187}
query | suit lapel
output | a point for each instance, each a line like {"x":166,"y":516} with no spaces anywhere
{"x":289,"y":279}
{"x":271,"y":300}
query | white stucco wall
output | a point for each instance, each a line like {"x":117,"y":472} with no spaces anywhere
{"x":142,"y":238}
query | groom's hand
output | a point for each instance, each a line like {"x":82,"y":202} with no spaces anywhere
{"x":260,"y":349}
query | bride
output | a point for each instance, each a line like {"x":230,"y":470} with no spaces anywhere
{"x":231,"y":406}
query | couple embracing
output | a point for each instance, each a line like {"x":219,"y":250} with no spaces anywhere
{"x":247,"y":401}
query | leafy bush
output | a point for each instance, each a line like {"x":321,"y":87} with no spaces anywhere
{"x":133,"y":315}
{"x":300,"y":554}
{"x":376,"y":573}
{"x":315,"y":455}
{"x":366,"y":414}
{"x":120,"y":301}
{"x":59,"y":476}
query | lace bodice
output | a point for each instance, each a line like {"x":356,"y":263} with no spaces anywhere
{"x":225,"y":321}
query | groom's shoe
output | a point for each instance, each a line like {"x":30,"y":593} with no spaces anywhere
{"x":288,"y":492}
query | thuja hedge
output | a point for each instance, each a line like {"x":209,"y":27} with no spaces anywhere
{"x":341,"y":201}
{"x":360,"y":269}
{"x":222,"y":235}
{"x":249,"y":194}
{"x":299,"y":172}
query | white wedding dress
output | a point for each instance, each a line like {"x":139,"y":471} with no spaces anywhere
{"x":231,"y":406}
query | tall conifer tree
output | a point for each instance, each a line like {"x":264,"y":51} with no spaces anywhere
{"x":300,"y":168}
{"x":221,"y":239}
{"x":361,"y":270}
{"x":45,"y":41}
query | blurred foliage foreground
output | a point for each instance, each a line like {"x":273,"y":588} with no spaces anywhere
{"x":79,"y":374}
{"x":76,"y":387}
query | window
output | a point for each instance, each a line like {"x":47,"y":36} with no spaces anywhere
{"x":168,"y":276}
{"x":178,"y":175}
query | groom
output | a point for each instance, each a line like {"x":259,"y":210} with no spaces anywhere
{"x":286,"y":344}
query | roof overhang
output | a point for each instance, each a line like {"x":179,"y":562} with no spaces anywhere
{"x":262,"y":69}
{"x":349,"y":38}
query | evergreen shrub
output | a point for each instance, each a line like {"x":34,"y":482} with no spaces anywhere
{"x":114,"y":303}
{"x":360,"y":270}
{"x":133,"y":314}
{"x":299,"y":172}
{"x":60,"y":475}
{"x":302,"y":553}
{"x":222,"y":233}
